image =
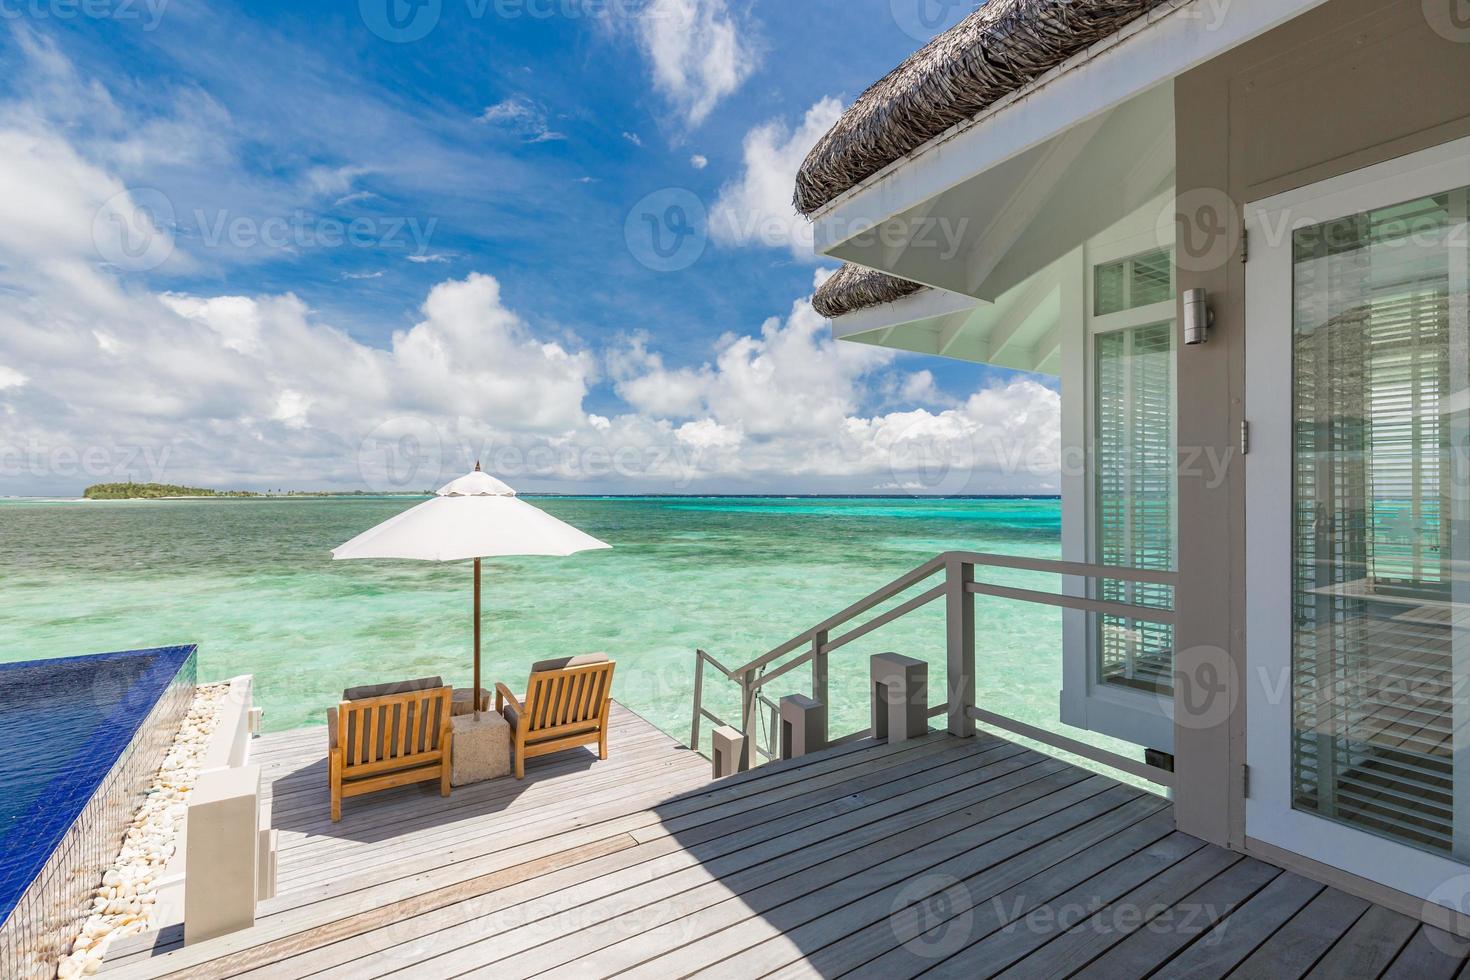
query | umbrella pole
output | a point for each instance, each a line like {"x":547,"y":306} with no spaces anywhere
{"x":476,"y":695}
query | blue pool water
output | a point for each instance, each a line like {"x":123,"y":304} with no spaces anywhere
{"x":64,"y":724}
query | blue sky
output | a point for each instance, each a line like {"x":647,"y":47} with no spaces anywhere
{"x":315,"y":173}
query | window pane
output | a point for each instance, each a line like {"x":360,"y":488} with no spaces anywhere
{"x":1136,"y":498}
{"x":1151,"y":279}
{"x":1381,"y":366}
{"x":1111,"y":297}
{"x":1131,"y":283}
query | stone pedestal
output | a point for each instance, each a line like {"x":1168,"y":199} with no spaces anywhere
{"x":727,"y":752}
{"x":481,"y":748}
{"x":464,"y":703}
{"x":801,"y":726}
{"x":900,"y":697}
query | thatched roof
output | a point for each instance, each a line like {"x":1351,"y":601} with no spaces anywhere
{"x":987,"y":56}
{"x":855,"y":288}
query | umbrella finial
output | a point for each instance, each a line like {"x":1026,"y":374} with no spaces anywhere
{"x":477,"y":466}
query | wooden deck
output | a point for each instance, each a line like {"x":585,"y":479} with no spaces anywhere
{"x":940,"y":857}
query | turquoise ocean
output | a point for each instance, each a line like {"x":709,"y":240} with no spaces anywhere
{"x":251,"y":581}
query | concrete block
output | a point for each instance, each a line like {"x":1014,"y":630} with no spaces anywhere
{"x":222,"y":868}
{"x":801,"y":726}
{"x":481,"y":748}
{"x":464,"y":703}
{"x":900,"y":697}
{"x":728,"y":752}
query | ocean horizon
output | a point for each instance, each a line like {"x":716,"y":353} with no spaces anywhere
{"x":251,"y":581}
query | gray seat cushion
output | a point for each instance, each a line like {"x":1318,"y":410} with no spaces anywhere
{"x":383,"y":690}
{"x":562,"y":663}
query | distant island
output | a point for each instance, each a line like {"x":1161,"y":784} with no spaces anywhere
{"x":154,"y":491}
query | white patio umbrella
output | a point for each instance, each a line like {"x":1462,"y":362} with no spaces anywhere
{"x":475,"y":517}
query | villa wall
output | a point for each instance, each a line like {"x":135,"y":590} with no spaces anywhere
{"x":1350,"y":84}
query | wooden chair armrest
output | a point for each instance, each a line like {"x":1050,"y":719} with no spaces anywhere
{"x":331,"y":728}
{"x":502,"y":695}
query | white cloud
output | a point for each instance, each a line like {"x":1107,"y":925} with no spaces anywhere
{"x":431,"y":257}
{"x":698,"y":51}
{"x":756,"y":208}
{"x":522,"y":116}
{"x":699,"y":161}
{"x":260,"y":390}
{"x":363,"y":275}
{"x":633,"y":138}
{"x":920,"y":388}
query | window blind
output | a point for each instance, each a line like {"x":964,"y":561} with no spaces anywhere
{"x":1135,"y":495}
{"x":1376,"y":621}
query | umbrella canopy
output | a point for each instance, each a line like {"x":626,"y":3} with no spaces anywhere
{"x":474,"y":517}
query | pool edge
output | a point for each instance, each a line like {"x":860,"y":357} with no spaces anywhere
{"x":57,"y":901}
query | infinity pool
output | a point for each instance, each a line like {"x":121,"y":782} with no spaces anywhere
{"x":65,"y":724}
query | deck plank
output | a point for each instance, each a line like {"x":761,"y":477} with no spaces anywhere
{"x":1430,"y":954}
{"x":1367,"y":949}
{"x":938,"y":856}
{"x":1228,"y":944}
{"x":967,"y":920}
{"x":1295,"y":948}
{"x":775,"y":828}
{"x":544,"y":944}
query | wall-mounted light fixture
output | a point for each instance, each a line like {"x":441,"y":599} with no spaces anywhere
{"x":1198,"y":317}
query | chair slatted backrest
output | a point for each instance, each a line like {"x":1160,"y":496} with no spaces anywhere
{"x":395,"y":727}
{"x":568,"y":696}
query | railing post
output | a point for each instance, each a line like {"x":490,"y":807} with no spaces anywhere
{"x":960,"y":645}
{"x":698,"y":699}
{"x":819,"y":687}
{"x":747,"y":723}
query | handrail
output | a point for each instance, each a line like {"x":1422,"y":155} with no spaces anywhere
{"x":959,"y":586}
{"x":911,"y":578}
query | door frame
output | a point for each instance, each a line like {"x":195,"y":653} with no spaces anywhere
{"x":1269,"y":817}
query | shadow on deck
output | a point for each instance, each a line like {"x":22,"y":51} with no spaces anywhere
{"x":939,"y":856}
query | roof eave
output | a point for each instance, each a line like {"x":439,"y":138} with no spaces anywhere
{"x":1168,"y":42}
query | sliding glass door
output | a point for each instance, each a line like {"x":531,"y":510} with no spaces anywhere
{"x":1359,"y":599}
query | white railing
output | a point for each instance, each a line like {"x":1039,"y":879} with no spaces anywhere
{"x":958,"y":589}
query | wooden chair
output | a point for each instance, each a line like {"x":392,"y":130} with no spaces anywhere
{"x":389,"y":735}
{"x":568,"y":703}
